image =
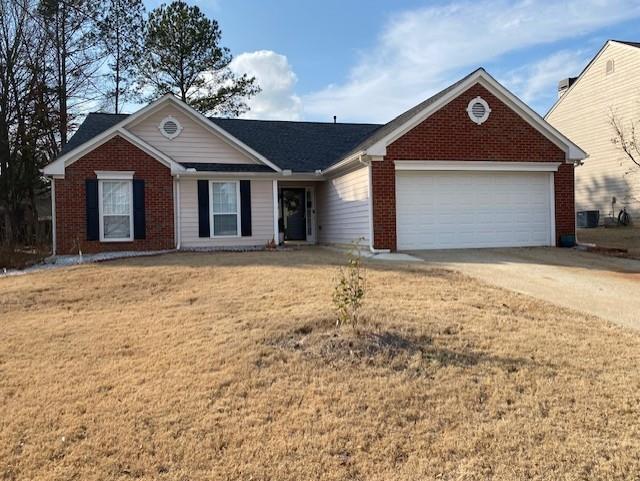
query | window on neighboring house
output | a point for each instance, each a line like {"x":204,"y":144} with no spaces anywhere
{"x":225,"y":208}
{"x":610,"y":66}
{"x":116,"y":209}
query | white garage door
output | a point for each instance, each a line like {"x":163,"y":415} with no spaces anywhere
{"x":447,"y":210}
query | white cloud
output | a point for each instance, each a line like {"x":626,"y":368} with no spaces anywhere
{"x":423,"y":50}
{"x":274,"y":75}
{"x":536,"y":83}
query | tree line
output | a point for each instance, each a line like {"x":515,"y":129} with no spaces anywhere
{"x":62,"y":58}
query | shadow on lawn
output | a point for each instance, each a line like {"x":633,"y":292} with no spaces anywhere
{"x":393,"y":349}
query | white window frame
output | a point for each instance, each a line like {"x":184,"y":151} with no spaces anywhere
{"x":120,"y":176}
{"x":211,"y":213}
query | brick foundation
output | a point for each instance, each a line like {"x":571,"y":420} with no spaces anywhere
{"x":449,"y":134}
{"x":116,"y":154}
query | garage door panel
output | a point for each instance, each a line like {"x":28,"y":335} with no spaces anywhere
{"x":472,"y":209}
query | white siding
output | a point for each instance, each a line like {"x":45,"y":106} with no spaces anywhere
{"x":343,"y":208}
{"x":194,"y":144}
{"x":261,"y":217}
{"x":583,"y":116}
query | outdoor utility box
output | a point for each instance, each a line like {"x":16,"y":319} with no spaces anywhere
{"x":588,"y":219}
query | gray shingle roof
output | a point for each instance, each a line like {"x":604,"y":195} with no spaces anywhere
{"x":94,"y":124}
{"x":298,"y":146}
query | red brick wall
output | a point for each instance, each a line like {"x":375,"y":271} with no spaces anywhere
{"x":449,"y":134}
{"x":116,"y":154}
{"x":563,"y":183}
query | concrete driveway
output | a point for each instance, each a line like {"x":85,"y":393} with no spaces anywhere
{"x":607,"y":287}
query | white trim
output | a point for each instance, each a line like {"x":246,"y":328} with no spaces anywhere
{"x":114,"y":175}
{"x":572,"y":151}
{"x":178,"y":217}
{"x":212,"y":214}
{"x":54,"y":246}
{"x":100,"y":213}
{"x":552,"y":208}
{"x":487,"y":110}
{"x":276,"y":212}
{"x":163,"y":122}
{"x":344,"y":162}
{"x":477,"y":165}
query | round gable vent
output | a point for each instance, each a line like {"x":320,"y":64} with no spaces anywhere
{"x":170,"y":127}
{"x":478,"y":110}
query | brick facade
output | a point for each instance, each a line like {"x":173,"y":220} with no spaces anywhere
{"x":449,"y":134}
{"x":116,"y":154}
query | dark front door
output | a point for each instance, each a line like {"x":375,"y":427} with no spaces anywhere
{"x":294,"y":211}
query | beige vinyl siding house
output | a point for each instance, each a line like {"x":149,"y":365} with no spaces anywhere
{"x":343,"y":208}
{"x":609,"y":85}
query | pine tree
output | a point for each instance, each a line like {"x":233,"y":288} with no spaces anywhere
{"x":183,"y":56}
{"x":121,"y":30}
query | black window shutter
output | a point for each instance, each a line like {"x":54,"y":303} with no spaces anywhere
{"x":93,"y":216}
{"x":245,"y":208}
{"x":203,"y":209}
{"x":139,"y":227}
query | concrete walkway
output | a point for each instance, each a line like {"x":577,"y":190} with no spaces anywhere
{"x":604,"y":286}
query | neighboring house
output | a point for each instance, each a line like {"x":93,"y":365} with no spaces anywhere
{"x":472,"y":166}
{"x":609,"y":84}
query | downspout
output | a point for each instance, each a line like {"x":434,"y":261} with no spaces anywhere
{"x":369,"y":194}
{"x":178,"y":216}
{"x":54,"y":246}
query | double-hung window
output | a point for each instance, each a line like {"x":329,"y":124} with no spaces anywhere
{"x":225,"y":208}
{"x":115,"y":203}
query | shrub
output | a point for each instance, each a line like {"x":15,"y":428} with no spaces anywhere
{"x":350,"y":288}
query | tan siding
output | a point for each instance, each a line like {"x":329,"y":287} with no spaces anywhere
{"x":261,"y":217}
{"x":343,"y":208}
{"x":583,"y":116}
{"x":194,"y":144}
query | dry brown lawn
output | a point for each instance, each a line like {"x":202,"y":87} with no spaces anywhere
{"x":613,"y":237}
{"x":227,"y":367}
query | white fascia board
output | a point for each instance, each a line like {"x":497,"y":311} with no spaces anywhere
{"x":474,"y":165}
{"x":573,"y":152}
{"x":344,"y":163}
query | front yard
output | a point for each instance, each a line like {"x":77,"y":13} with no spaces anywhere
{"x":613,"y":238}
{"x":227,"y":366}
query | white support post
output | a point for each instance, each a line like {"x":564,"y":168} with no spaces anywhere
{"x":276,"y":231}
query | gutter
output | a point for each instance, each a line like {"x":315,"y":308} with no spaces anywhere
{"x":178,"y":217}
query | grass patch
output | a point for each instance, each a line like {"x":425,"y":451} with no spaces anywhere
{"x":226,"y":366}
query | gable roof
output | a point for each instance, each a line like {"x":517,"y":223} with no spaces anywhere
{"x":295,"y":146}
{"x":93,"y":125}
{"x":376,"y":145}
{"x":407,"y":115}
{"x":584,"y":70}
{"x":312,"y":146}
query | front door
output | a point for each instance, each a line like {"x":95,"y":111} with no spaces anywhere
{"x":294,"y":212}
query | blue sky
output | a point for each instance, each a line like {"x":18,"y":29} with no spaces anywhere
{"x":367,"y":61}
